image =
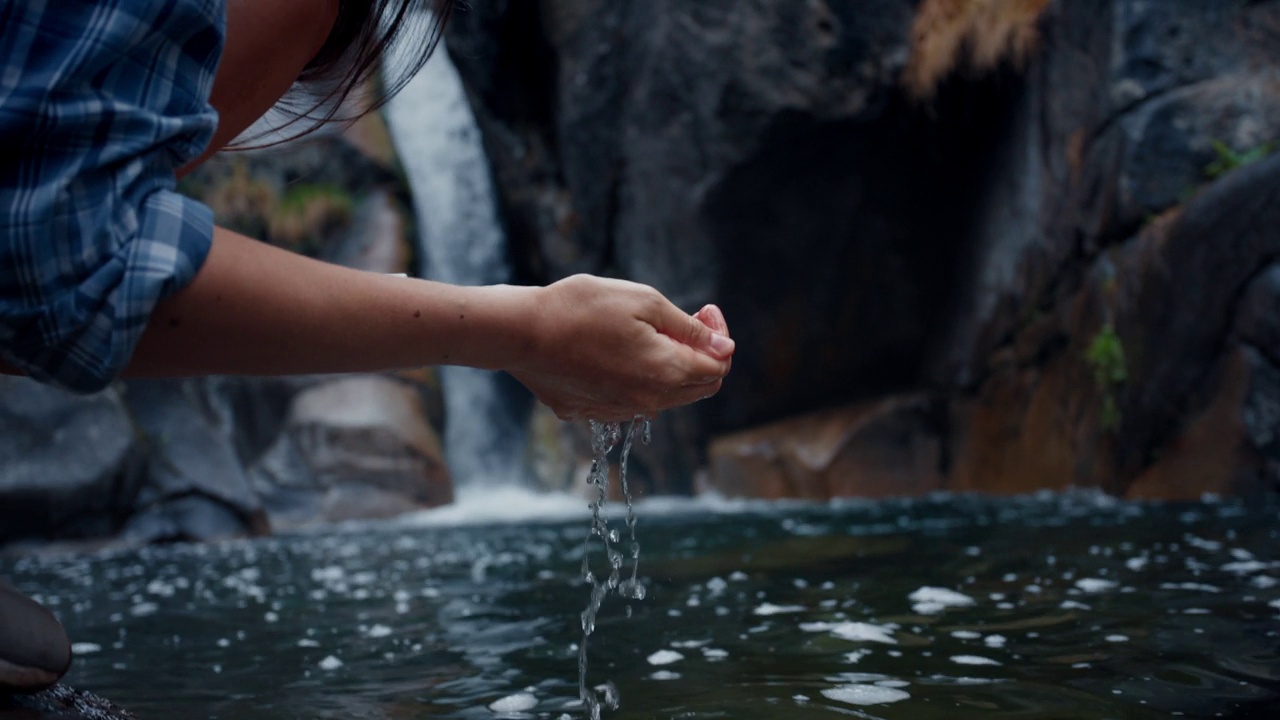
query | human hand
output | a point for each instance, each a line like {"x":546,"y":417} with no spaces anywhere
{"x":610,"y":350}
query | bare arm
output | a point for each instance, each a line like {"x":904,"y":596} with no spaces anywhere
{"x":585,"y":346}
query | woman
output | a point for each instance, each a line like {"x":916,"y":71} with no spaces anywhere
{"x":105,"y":270}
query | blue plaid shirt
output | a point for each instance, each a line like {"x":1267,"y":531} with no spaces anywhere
{"x":100,"y":101}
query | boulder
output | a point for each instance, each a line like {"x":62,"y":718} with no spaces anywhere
{"x":354,"y":447}
{"x":72,"y":465}
{"x":196,"y":486}
{"x":882,"y":448}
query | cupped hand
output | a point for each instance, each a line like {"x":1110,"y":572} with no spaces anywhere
{"x":611,"y":349}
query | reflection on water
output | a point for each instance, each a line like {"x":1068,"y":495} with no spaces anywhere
{"x":1056,"y":606}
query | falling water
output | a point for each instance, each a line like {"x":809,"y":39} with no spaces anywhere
{"x":604,"y":438}
{"x":461,"y":242}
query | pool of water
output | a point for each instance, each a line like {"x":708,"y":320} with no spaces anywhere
{"x":1062,"y":606}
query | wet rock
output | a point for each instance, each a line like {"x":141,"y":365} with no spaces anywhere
{"x":355,"y":447}
{"x":884,"y":448}
{"x":970,"y":235}
{"x":1185,"y":413}
{"x":196,"y":487}
{"x":723,"y":151}
{"x":61,"y":703}
{"x":71,"y":464}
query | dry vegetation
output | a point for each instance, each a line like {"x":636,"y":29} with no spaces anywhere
{"x":979,"y":34}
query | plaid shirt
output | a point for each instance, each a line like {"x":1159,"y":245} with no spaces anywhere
{"x":100,"y":101}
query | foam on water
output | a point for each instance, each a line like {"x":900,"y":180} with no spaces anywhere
{"x":932,"y":600}
{"x":771,"y":609}
{"x":664,"y":657}
{"x":1096,"y":585}
{"x":516,"y":703}
{"x":865,"y":694}
{"x":973,"y":660}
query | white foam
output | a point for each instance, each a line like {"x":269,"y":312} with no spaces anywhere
{"x":378,"y":631}
{"x":516,"y":703}
{"x":931,"y":600}
{"x":973,"y":660}
{"x":1246,"y":567}
{"x":1095,"y":585}
{"x":85,"y":648}
{"x":690,"y":644}
{"x":1137,"y":564}
{"x":965,"y":634}
{"x":995,"y":641}
{"x":665,"y":657}
{"x":308,"y":643}
{"x":143,"y":609}
{"x":1274,"y":604}
{"x":1193,"y":587}
{"x":863,"y":632}
{"x":1263,"y":582}
{"x":853,"y":657}
{"x":865,"y":694}
{"x":771,"y":609}
{"x":1073,"y":605}
{"x":330,"y":663}
{"x":664,"y":675}
{"x":1201,"y":543}
{"x":715,"y":653}
{"x":1117,"y":638}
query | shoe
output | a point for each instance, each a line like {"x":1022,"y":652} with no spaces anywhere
{"x":34,"y":649}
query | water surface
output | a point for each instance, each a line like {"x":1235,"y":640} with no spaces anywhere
{"x":1061,"y":606}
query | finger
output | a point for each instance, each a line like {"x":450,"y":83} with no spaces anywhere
{"x":712,"y":317}
{"x":693,"y":332}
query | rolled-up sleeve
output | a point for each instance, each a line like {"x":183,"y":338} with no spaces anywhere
{"x":100,"y":102}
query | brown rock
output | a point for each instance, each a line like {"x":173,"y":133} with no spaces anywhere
{"x":876,"y":449}
{"x":354,"y":448}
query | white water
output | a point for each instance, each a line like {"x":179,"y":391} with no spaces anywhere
{"x":461,"y":242}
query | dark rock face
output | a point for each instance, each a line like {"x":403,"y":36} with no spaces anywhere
{"x":1064,"y":255}
{"x":72,"y":466}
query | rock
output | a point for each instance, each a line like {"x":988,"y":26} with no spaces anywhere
{"x":1188,"y":408}
{"x":722,"y":151}
{"x":378,"y":240}
{"x":72,"y":464}
{"x":884,"y":448}
{"x":196,"y":487}
{"x":998,"y":235}
{"x":354,"y":447}
{"x":61,"y":703}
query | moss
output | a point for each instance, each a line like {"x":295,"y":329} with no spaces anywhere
{"x":1228,"y":159}
{"x":1106,"y":359}
{"x":307,"y":215}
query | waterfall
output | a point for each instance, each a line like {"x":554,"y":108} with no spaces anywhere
{"x":460,"y":241}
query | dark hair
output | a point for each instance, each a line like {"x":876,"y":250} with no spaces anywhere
{"x":358,"y":47}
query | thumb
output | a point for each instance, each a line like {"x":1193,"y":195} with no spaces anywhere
{"x":695,"y":333}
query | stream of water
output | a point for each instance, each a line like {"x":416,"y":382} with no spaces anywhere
{"x":1053,"y":606}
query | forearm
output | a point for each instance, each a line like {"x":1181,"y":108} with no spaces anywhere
{"x":254,"y":309}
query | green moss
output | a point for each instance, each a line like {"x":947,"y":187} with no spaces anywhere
{"x":307,"y":214}
{"x":1228,"y":159}
{"x":1106,"y":361}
